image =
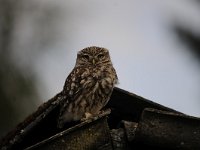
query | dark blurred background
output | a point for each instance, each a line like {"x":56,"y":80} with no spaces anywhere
{"x":154,"y":45}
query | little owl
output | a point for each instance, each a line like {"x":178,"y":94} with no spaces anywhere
{"x":89,"y":86}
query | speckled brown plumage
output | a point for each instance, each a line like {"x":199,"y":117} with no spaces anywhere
{"x":89,"y":86}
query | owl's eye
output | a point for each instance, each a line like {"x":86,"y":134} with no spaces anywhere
{"x":86,"y":57}
{"x":100,"y":56}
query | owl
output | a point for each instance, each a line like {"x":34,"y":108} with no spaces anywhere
{"x":89,"y":86}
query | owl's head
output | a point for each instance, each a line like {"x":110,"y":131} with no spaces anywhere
{"x":93,"y":56}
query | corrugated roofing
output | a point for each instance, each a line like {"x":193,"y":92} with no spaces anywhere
{"x":134,"y":123}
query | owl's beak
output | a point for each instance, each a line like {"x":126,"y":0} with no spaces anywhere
{"x":93,"y":61}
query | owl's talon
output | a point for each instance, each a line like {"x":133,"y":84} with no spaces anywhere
{"x":107,"y":110}
{"x":87,"y":116}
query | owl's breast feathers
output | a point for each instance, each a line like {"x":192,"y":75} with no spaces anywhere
{"x":89,"y":78}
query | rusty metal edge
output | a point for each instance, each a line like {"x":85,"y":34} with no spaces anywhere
{"x":67,"y":131}
{"x":144,"y":134}
{"x":164,"y":112}
{"x":15,"y":136}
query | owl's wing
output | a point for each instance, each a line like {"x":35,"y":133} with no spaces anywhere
{"x":116,"y":77}
{"x":71,"y":90}
{"x":73,"y":85}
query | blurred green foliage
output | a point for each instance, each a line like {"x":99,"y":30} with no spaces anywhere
{"x":18,"y":94}
{"x":189,"y":39}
